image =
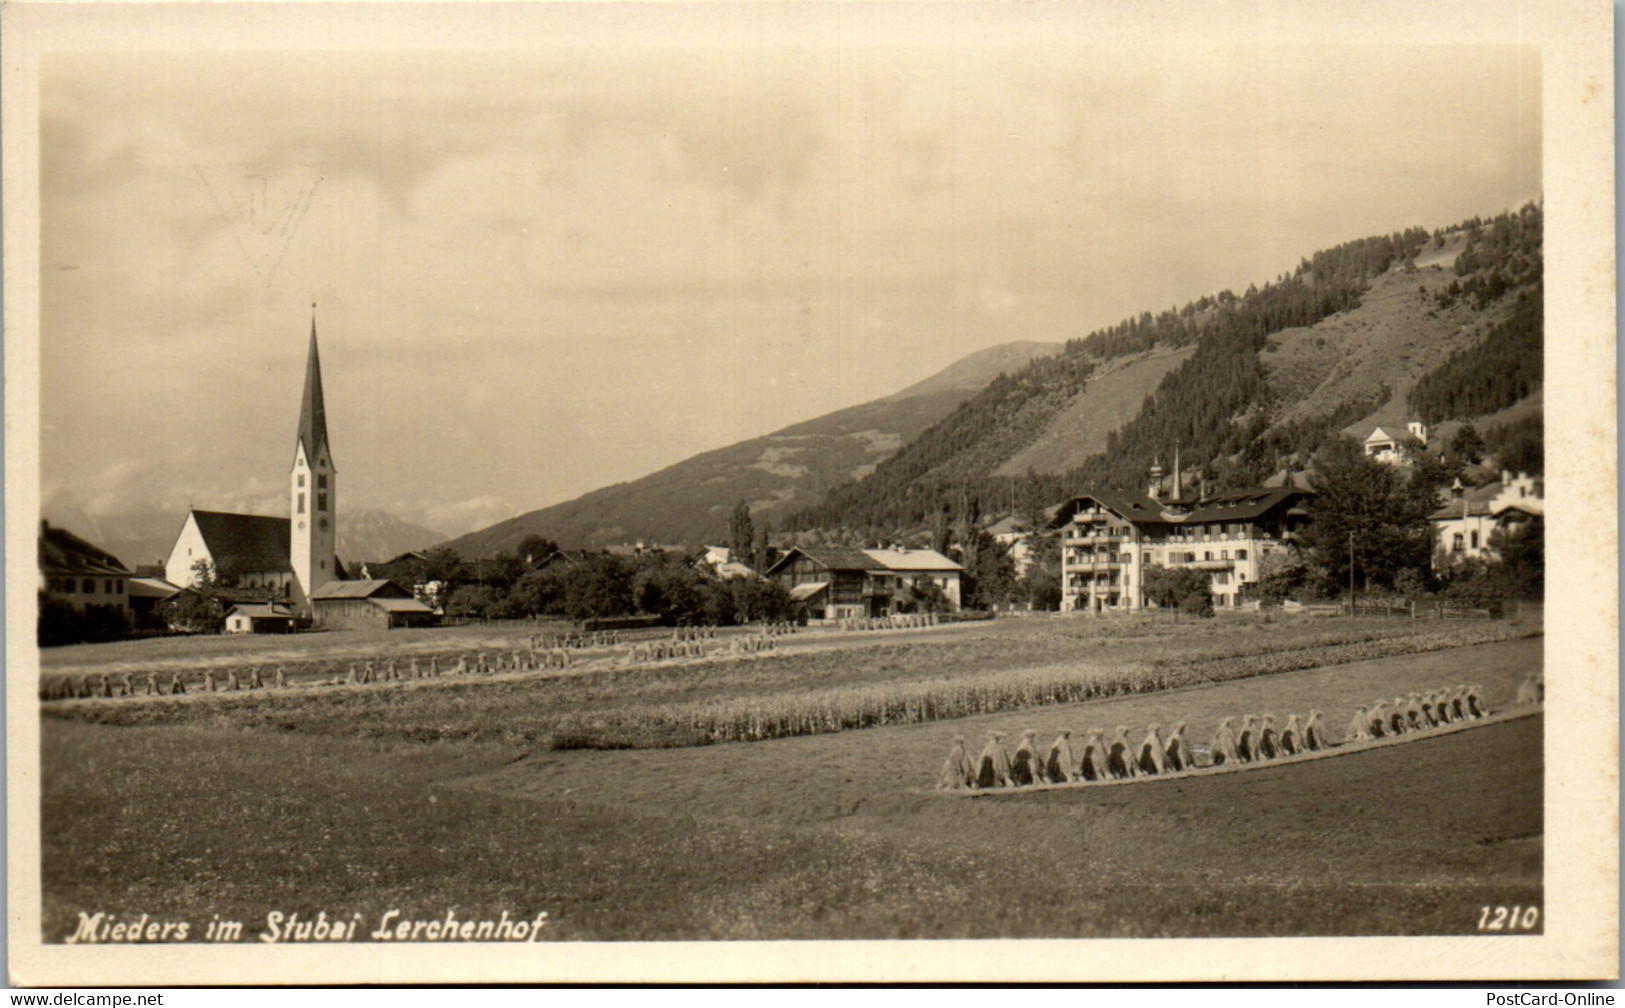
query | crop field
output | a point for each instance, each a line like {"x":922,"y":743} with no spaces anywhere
{"x":472,"y":794}
{"x":812,"y":683}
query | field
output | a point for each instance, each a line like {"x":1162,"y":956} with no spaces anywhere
{"x":459,"y":794}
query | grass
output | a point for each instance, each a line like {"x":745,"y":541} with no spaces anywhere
{"x":429,"y":797}
{"x":789,"y":692}
{"x":265,"y":821}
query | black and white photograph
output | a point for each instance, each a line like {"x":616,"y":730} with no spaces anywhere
{"x":810,"y":491}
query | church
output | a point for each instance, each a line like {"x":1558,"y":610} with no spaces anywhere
{"x":290,"y":559}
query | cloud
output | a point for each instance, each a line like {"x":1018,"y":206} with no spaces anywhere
{"x":541,"y":272}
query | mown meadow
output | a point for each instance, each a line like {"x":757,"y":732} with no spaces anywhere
{"x":514,"y":792}
{"x":806,"y":687}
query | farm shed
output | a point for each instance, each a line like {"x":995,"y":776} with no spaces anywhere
{"x":259,"y":617}
{"x":368,"y":605}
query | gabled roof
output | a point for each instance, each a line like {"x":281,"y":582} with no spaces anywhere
{"x":62,"y":552}
{"x":261,"y":610}
{"x":399,"y":604}
{"x":359,"y":589}
{"x":146,"y":587}
{"x":1127,"y":504}
{"x":1398,"y":434}
{"x":831,"y":558}
{"x":245,"y":542}
{"x":1008,"y":525}
{"x":1228,"y":506}
{"x":913,"y":560}
{"x":1242,"y":505}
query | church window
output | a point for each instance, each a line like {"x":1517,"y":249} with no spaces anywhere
{"x":301,"y":479}
{"x":321,"y":481}
{"x":321,"y":502}
{"x":301,"y":498}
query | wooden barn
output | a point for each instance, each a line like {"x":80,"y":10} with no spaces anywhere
{"x":368,"y":605}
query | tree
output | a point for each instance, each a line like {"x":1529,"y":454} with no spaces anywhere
{"x":535,"y":547}
{"x":990,"y":574}
{"x":1042,"y":582}
{"x":196,"y":610}
{"x":741,"y":535}
{"x":1169,"y":587}
{"x":1522,"y":553}
{"x":1281,"y":574}
{"x":1467,"y":447}
{"x":1371,"y":507}
{"x":924,"y":595}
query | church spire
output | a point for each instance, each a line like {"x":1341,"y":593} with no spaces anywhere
{"x":312,"y":410}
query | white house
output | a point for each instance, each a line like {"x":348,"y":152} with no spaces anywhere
{"x":1388,"y":444}
{"x":1463,"y":526}
{"x":1111,"y":538}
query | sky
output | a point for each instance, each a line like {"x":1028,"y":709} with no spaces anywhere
{"x":606,"y":244}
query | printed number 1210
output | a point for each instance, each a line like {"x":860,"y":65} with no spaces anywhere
{"x":1502,"y":918}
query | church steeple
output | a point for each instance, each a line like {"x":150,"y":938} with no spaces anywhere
{"x":312,"y":491}
{"x":312,"y":410}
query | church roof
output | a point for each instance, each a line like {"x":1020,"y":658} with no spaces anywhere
{"x":245,"y":542}
{"x":312,"y":410}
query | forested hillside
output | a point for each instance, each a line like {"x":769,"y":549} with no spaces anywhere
{"x":1229,"y":408}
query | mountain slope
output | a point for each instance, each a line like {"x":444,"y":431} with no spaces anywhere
{"x":370,"y":535}
{"x":690,"y":502}
{"x":1355,"y":332}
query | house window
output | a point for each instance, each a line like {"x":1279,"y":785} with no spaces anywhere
{"x":88,"y":586}
{"x":1224,"y":554}
{"x":111,"y":591}
{"x":1241,"y":554}
{"x":1207,"y":554}
{"x":1475,"y":540}
{"x":1456,"y":543}
{"x":1145,"y":558}
{"x":301,"y":498}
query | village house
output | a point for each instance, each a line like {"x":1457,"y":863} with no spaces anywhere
{"x":259,"y":617}
{"x":838,"y":582}
{"x":1462,"y":527}
{"x":1111,"y":538}
{"x":80,"y":574}
{"x":368,"y":605}
{"x":1390,"y":444}
{"x":1014,"y":533}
